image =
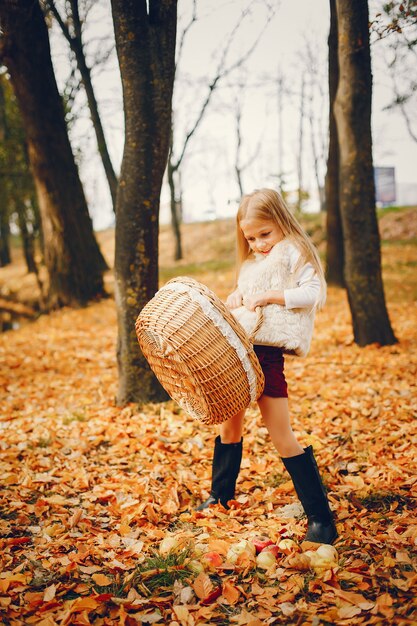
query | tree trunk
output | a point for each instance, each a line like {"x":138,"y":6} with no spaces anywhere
{"x":5,"y":257}
{"x":28,"y":241}
{"x":145,"y":42}
{"x":335,"y":251}
{"x":72,"y":256}
{"x":175,"y":221}
{"x":4,"y":209}
{"x":357,"y":192}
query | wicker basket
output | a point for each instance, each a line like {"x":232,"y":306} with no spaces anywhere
{"x":199,"y":352}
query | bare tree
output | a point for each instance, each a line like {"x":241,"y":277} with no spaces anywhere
{"x":71,"y":26}
{"x":402,"y":70}
{"x":357,"y":191}
{"x":145,"y":42}
{"x":224,"y":69}
{"x":316,"y":98}
{"x":281,"y":88}
{"x":242,"y":165}
{"x":300,"y":151}
{"x":394,"y":29}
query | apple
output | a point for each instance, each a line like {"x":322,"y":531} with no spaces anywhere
{"x":322,"y":560}
{"x":287,"y":546}
{"x":196,"y":566}
{"x":261,"y":544}
{"x":298,"y":561}
{"x":328,"y":553}
{"x":237,"y":548}
{"x":265,"y":559}
{"x":273,"y":549}
{"x":211,"y":560}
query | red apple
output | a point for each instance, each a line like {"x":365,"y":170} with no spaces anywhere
{"x":261,"y":544}
{"x":211,"y":559}
{"x":272,"y":548}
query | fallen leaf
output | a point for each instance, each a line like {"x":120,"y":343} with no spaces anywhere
{"x":230,"y":592}
{"x":49,"y":593}
{"x":101,"y":580}
{"x":202,"y":586}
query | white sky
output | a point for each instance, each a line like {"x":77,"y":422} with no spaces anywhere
{"x":208,"y":179}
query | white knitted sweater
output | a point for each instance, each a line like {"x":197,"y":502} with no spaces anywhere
{"x":290,"y":329}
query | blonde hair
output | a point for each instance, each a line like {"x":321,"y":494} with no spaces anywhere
{"x":268,"y":205}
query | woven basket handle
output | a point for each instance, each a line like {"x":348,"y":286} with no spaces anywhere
{"x":258,"y":323}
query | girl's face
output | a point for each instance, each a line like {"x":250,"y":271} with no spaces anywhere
{"x":261,"y":234}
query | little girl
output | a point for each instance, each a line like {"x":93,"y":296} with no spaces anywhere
{"x":279,"y":270}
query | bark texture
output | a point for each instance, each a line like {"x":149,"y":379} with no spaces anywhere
{"x":145,"y":41}
{"x":335,"y":251}
{"x":5,"y":256}
{"x":28,"y":240}
{"x":356,"y":181}
{"x":72,"y":256}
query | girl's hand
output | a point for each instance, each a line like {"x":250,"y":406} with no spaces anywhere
{"x":234,"y":300}
{"x":262,"y":299}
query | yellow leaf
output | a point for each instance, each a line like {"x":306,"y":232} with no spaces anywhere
{"x":124,"y":529}
{"x":182,"y":614}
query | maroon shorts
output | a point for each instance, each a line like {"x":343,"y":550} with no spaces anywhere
{"x":272,"y":364}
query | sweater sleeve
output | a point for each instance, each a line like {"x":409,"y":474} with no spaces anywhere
{"x":307,"y":292}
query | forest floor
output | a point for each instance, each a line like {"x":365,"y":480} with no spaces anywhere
{"x":96,"y":510}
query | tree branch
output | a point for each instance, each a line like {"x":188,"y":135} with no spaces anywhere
{"x":51,"y":7}
{"x":185,"y":32}
{"x":221,"y":73}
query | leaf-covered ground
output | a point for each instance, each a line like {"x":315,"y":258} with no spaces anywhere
{"x":92,"y":494}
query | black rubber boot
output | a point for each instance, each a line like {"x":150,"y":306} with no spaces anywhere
{"x":312,"y":494}
{"x":225,"y":470}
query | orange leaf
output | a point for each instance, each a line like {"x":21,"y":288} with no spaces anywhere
{"x":230,"y":592}
{"x":84,"y":604}
{"x":49,"y":593}
{"x":75,"y":517}
{"x":101,"y":580}
{"x":219,"y":545}
{"x":202,"y":586}
{"x":356,"y":599}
